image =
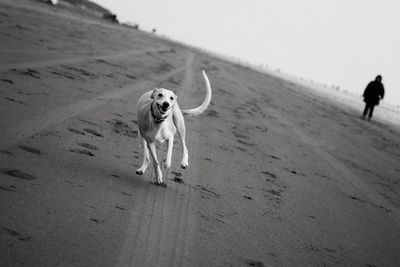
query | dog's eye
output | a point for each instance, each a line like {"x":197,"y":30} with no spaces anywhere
{"x":159,"y":95}
{"x":171,"y":98}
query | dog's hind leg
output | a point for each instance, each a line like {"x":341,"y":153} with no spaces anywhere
{"x":180,"y":126}
{"x":146,"y":159}
{"x":156,"y":164}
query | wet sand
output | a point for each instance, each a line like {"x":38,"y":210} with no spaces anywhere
{"x":278,"y":176}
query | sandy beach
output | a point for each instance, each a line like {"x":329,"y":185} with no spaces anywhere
{"x":278,"y":175}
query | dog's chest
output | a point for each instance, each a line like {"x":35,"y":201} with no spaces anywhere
{"x":159,"y":132}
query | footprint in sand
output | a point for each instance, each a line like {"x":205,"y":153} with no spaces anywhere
{"x":76,"y":131}
{"x":20,"y":27}
{"x":10,"y":188}
{"x":30,"y":149}
{"x":270,"y":174}
{"x":87,"y":121}
{"x":206,"y":193}
{"x":93,"y":132}
{"x":13,"y":233}
{"x":6,"y":152}
{"x":178,"y":180}
{"x":80,"y":71}
{"x":63,"y":74}
{"x":6,"y":81}
{"x":14,"y":100}
{"x":29,"y":72}
{"x":82,"y":151}
{"x":248,"y":144}
{"x":212,"y":114}
{"x":239,"y":135}
{"x":274,"y":192}
{"x":123,"y":128}
{"x":88,"y":146}
{"x":294,"y":172}
{"x":177,"y":177}
{"x":23,"y":93}
{"x":241,"y":149}
{"x":254,"y":263}
{"x":18,"y":174}
{"x":132,"y":77}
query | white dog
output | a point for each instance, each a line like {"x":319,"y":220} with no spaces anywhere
{"x":159,"y":117}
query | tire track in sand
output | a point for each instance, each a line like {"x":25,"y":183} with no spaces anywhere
{"x":180,"y":243}
{"x":157,"y":235}
{"x":76,"y":60}
{"x":22,"y":130}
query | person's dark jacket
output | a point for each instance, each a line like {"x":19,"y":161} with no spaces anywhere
{"x":374,"y":92}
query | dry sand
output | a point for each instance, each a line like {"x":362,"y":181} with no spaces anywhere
{"x":278,"y":176}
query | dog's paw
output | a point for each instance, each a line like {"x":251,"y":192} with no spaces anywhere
{"x":162,"y":184}
{"x":184,"y":165}
{"x":139,"y":172}
{"x":166,"y":164}
{"x":185,"y":161}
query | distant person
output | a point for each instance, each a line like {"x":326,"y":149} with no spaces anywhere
{"x":372,"y":94}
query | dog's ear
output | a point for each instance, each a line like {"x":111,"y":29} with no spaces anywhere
{"x":174,"y":91}
{"x":153,"y":93}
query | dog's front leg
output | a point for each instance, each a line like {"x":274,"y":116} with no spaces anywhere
{"x":179,"y":122}
{"x":156,"y":164}
{"x":167,"y":161}
{"x":146,"y":159}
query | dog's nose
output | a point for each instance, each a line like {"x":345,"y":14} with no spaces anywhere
{"x":165,"y":105}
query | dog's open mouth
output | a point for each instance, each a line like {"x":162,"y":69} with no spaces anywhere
{"x":162,"y":109}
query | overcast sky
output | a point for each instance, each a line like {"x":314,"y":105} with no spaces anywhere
{"x":341,"y":42}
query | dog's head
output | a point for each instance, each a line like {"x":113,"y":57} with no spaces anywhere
{"x":164,"y":99}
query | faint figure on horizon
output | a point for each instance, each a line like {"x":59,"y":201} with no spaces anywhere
{"x":372,"y":95}
{"x":110,"y":17}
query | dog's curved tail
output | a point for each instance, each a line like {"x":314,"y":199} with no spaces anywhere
{"x":200,"y":109}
